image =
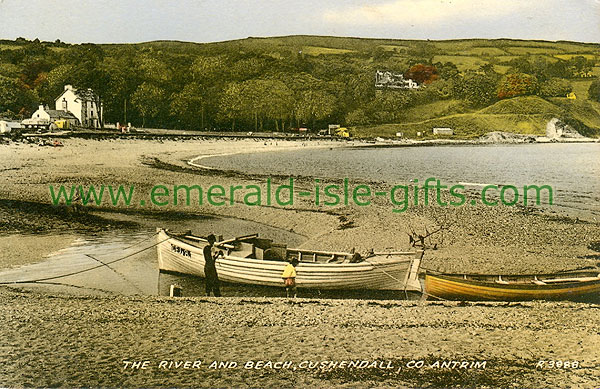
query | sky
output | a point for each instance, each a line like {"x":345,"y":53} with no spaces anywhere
{"x":128,"y":21}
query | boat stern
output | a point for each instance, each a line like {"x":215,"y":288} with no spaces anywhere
{"x":412,"y":283}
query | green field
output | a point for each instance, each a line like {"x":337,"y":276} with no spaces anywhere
{"x":502,"y":69}
{"x":393,"y":47}
{"x":485,"y":51}
{"x":433,"y":110}
{"x":462,"y":62}
{"x":315,"y":50}
{"x":580,"y":87}
{"x":533,"y":50}
{"x":569,"y":56}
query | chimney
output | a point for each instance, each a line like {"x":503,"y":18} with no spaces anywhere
{"x":41,"y":108}
{"x":68,"y":87}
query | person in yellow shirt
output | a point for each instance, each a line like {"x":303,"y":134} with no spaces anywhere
{"x":289,"y":277}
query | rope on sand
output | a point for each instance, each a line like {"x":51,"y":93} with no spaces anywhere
{"x":38,"y":280}
{"x":117,"y":272}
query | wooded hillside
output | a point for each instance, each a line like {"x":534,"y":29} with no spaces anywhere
{"x":279,"y":83}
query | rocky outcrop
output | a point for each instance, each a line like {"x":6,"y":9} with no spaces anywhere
{"x":506,"y":137}
{"x":556,"y":128}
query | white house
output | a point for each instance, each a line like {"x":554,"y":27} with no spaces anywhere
{"x":386,"y":79}
{"x":84,"y":104}
{"x":46,"y":116}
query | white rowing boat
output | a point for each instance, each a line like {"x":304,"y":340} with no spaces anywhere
{"x":256,"y":261}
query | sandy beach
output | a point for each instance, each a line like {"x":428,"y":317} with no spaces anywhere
{"x":85,"y":341}
{"x":61,"y":340}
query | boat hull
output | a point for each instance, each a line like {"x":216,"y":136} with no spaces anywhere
{"x":175,"y":255}
{"x":453,"y":287}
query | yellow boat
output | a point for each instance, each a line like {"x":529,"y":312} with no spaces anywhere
{"x":474,"y":287}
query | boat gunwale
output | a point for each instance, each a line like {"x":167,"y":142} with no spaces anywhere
{"x":514,"y":285}
{"x":384,"y":259}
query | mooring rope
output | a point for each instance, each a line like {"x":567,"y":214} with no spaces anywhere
{"x":81,"y":271}
{"x":117,"y":272}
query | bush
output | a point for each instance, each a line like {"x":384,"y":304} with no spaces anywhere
{"x":517,"y":84}
{"x":357,"y":117}
{"x":479,"y":90}
{"x":423,"y":74}
{"x":555,"y":87}
{"x":594,"y":91}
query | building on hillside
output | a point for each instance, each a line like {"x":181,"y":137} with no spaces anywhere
{"x":84,"y":104}
{"x":45,"y":117}
{"x":571,"y":96}
{"x":443,"y":131}
{"x":386,"y":79}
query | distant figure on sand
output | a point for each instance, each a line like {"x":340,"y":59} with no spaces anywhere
{"x":289,"y":277}
{"x":210,"y":271}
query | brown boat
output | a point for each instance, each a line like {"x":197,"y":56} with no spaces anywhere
{"x":473,"y":287}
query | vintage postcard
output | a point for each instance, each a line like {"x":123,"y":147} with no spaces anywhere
{"x":258,"y":193}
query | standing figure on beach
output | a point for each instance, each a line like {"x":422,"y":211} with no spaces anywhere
{"x":210,"y":271}
{"x":289,"y":277}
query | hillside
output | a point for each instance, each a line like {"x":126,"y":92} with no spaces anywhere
{"x":524,"y":115}
{"x":280,"y":83}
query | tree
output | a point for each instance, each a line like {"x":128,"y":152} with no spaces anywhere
{"x":55,"y":81}
{"x":517,"y":84}
{"x":14,"y":99}
{"x":153,"y":69}
{"x":447,"y":70}
{"x":124,"y":79}
{"x":359,"y":90}
{"x":581,"y":66}
{"x":357,"y":117}
{"x":521,"y":65}
{"x":248,"y":68}
{"x":188,"y":106}
{"x":560,"y":69}
{"x":34,"y":72}
{"x":206,"y":70}
{"x":149,"y":100}
{"x":479,"y":90}
{"x":594,"y":91}
{"x":314,"y":105}
{"x":389,"y":105}
{"x":555,"y":87}
{"x":423,"y":74}
{"x":230,"y":105}
{"x":281,"y":101}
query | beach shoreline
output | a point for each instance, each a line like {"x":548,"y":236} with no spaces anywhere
{"x":488,"y":236}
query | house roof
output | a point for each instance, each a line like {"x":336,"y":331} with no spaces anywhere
{"x":82,"y":94}
{"x":85,"y":94}
{"x":57,"y":114}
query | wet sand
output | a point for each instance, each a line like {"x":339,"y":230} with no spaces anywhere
{"x":82,"y":341}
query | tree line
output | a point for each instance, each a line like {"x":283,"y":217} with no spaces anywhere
{"x":237,"y":87}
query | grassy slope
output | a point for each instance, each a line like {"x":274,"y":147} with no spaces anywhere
{"x":524,"y":115}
